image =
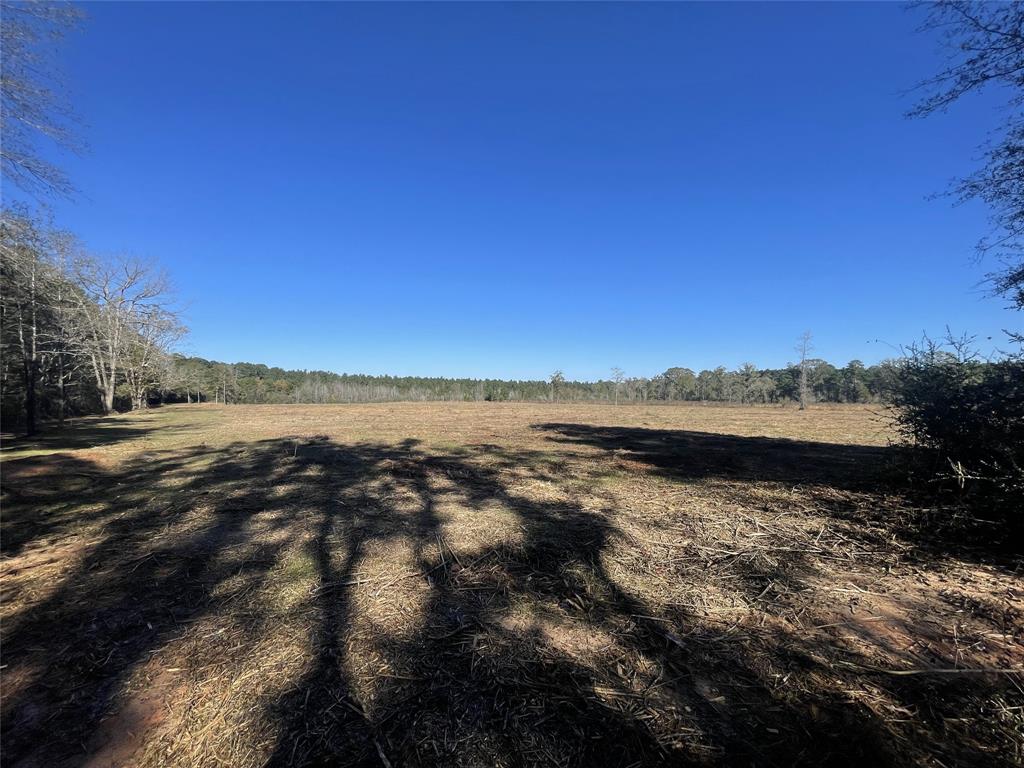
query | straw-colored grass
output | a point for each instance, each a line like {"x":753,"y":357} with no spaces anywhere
{"x":494,"y":584}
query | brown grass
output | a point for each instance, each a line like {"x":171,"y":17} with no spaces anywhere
{"x":493,"y":584}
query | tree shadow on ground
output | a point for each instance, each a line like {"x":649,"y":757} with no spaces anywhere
{"x":689,"y":455}
{"x":88,"y":432}
{"x":934,"y":529}
{"x":519,"y":650}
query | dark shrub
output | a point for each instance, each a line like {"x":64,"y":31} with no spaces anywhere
{"x":966,"y":415}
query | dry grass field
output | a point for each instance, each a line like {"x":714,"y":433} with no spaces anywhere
{"x":494,"y":585}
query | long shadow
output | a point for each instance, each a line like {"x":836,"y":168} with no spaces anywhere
{"x":321,"y":722}
{"x":41,"y":497}
{"x":42,"y":482}
{"x":935,"y":529}
{"x":130,"y":593}
{"x":88,"y":432}
{"x":689,"y":455}
{"x":501,"y":664}
{"x":535,"y":704}
{"x":523,"y":697}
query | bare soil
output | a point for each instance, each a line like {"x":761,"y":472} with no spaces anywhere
{"x":495,"y":585}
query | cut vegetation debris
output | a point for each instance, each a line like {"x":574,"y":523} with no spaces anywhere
{"x":493,"y":584}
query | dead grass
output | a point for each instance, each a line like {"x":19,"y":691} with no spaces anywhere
{"x":493,"y":584}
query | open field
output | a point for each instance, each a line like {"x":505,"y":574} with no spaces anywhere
{"x":493,"y":584}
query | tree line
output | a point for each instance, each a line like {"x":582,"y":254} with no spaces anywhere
{"x":195,"y":379}
{"x":78,"y":333}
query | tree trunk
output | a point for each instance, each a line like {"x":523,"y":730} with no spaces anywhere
{"x":29,"y":356}
{"x":30,"y":397}
{"x":62,"y":398}
{"x":108,"y":400}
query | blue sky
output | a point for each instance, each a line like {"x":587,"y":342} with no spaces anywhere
{"x":500,"y":190}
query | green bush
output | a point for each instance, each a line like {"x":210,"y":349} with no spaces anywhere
{"x":965,"y":415}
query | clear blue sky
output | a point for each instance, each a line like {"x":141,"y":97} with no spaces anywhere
{"x":500,"y":190}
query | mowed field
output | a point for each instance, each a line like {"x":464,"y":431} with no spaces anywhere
{"x":480,"y":584}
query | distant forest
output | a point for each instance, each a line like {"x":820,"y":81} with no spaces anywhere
{"x":194,"y":378}
{"x":81,"y":334}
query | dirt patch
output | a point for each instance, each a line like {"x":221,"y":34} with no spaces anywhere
{"x":123,"y":735}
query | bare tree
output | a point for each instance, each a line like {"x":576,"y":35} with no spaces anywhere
{"x":24,"y":301}
{"x":557,"y":379}
{"x":618,"y":376}
{"x":37,"y":305}
{"x":153,"y":331}
{"x":117,"y":299}
{"x":225,"y":379}
{"x":803,"y":349}
{"x":187,"y":375}
{"x":31,"y":103}
{"x":67,"y":362}
{"x":986,"y":45}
